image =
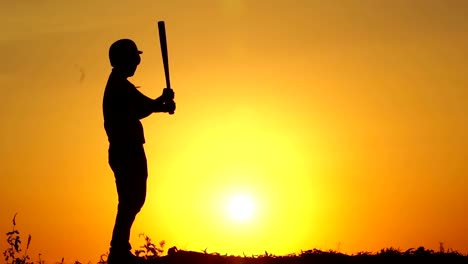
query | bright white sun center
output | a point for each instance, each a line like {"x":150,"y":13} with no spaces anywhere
{"x":241,"y":207}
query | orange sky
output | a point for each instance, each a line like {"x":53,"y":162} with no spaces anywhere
{"x":345,"y":121}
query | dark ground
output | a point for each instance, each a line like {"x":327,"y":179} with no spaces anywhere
{"x":419,"y":255}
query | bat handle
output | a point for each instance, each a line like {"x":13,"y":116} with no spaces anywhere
{"x":168,"y":85}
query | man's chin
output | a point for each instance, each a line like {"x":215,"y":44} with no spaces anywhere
{"x":130,"y":73}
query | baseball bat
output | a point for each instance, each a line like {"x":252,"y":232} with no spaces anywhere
{"x":164,"y":53}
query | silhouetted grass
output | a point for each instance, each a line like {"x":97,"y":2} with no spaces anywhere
{"x":153,"y":254}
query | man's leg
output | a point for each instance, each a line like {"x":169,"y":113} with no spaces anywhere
{"x":130,"y":170}
{"x":131,"y":199}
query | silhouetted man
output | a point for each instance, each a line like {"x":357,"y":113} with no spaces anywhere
{"x":123,"y":107}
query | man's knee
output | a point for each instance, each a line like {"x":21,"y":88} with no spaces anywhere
{"x":139,"y":203}
{"x":132,"y":206}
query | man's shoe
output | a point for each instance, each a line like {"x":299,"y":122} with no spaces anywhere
{"x":125,"y":257}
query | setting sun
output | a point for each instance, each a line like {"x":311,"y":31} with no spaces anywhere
{"x":241,"y":208}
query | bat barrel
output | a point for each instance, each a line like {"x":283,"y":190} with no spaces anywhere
{"x":164,"y":52}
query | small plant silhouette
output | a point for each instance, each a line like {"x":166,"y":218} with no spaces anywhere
{"x":149,"y":250}
{"x":13,"y":253}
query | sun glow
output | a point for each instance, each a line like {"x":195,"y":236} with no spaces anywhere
{"x":241,"y":208}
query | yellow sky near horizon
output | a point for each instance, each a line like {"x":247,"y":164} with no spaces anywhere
{"x":345,"y":121}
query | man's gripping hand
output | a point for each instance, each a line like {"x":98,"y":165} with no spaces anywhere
{"x":170,"y":106}
{"x":168,"y":94}
{"x":165,"y":103}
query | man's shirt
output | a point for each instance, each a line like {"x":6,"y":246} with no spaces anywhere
{"x":123,"y":107}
